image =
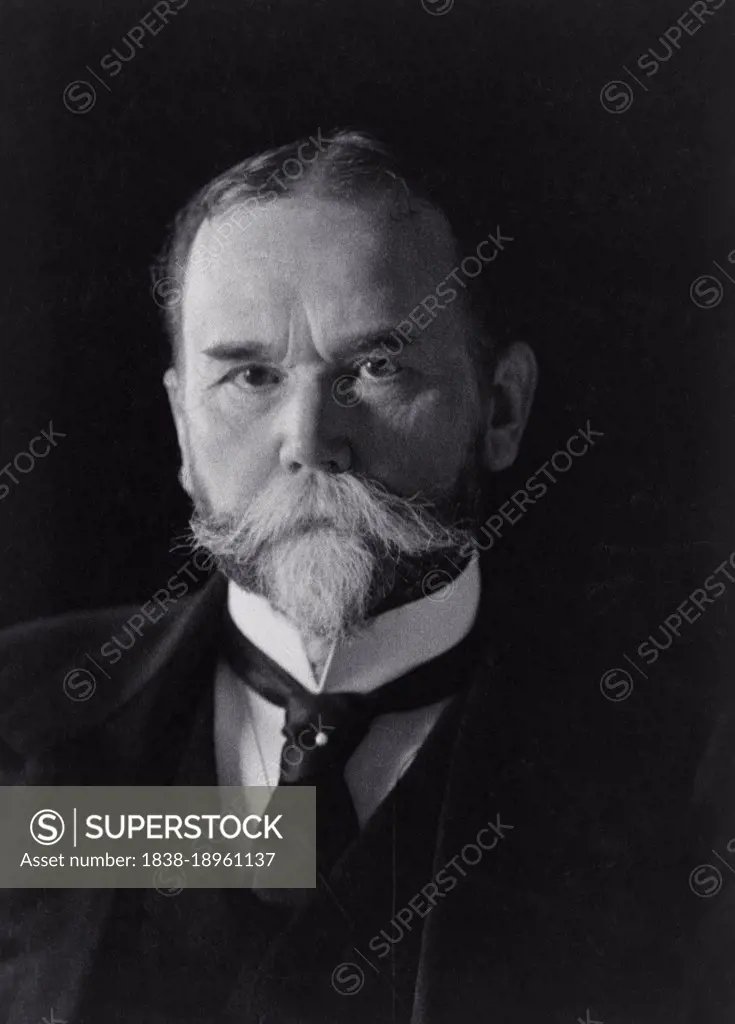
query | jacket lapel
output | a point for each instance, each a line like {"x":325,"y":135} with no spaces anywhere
{"x":575,"y":910}
{"x":135,"y":727}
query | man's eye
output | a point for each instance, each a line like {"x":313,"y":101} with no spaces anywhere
{"x":380,"y":367}
{"x":254,"y":376}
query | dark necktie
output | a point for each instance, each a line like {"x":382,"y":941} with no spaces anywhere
{"x":324,"y":730}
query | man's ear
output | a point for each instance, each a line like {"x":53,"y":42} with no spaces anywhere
{"x":174,"y":389}
{"x":513,"y":388}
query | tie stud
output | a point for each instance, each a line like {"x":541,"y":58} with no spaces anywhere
{"x":321,"y":739}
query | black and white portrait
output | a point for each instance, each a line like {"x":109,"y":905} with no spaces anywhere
{"x":367,"y":418}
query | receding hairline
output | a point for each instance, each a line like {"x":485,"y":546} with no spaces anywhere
{"x":431,"y":226}
{"x":352,"y":168}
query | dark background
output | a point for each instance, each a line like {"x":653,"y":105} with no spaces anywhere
{"x":613,"y":216}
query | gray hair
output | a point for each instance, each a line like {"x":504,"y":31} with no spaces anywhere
{"x":346,"y":164}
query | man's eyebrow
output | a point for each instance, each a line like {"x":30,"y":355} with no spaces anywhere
{"x":390,"y":337}
{"x":357,"y":345}
{"x":234,"y":350}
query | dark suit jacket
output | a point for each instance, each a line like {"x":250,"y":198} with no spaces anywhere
{"x":583,"y":911}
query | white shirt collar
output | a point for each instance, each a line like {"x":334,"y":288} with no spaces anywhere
{"x":390,"y":645}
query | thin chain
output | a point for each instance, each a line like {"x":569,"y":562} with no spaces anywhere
{"x":246,"y":690}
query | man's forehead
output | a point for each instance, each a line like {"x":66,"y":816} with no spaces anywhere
{"x":349,"y":259}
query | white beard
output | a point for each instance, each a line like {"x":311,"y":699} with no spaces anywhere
{"x":321,"y":580}
{"x":323,"y":550}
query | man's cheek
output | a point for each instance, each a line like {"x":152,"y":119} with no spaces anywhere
{"x":230,"y":470}
{"x":412,"y":412}
{"x":419,"y":442}
{"x":222,"y":435}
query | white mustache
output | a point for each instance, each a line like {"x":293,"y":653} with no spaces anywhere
{"x":291,"y":505}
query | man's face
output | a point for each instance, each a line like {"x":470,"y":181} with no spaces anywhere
{"x":284,"y":312}
{"x":272,"y":325}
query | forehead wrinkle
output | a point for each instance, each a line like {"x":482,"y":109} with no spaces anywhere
{"x":302,"y":335}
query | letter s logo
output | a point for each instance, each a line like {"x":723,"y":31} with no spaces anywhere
{"x":616,"y":97}
{"x":47,"y":827}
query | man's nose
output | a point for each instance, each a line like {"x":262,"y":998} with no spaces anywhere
{"x":312,"y":430}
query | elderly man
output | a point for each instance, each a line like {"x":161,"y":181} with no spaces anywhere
{"x":340,"y":405}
